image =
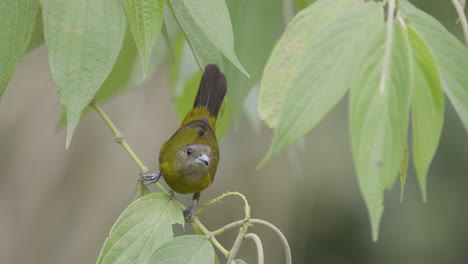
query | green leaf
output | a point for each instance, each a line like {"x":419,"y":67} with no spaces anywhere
{"x":142,"y":228}
{"x":84,"y":38}
{"x":450,"y":55}
{"x":118,"y":80}
{"x":145,"y":18}
{"x":427,"y":108}
{"x":140,"y":190}
{"x":293,"y":51}
{"x":379,"y":120}
{"x":256,"y":25}
{"x":17,"y":19}
{"x":120,"y":77}
{"x":311,"y":68}
{"x":191,"y":249}
{"x":208,"y":28}
{"x":202,"y":48}
{"x":37,"y":35}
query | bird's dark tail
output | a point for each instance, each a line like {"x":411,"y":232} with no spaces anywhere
{"x":212,"y":90}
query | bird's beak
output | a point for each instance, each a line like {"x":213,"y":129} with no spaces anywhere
{"x":203,"y":159}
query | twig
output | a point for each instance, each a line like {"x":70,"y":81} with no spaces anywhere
{"x":258,"y":244}
{"x":284,"y":241}
{"x":221,"y":197}
{"x":237,"y":244}
{"x":462,"y":17}
{"x":118,"y":137}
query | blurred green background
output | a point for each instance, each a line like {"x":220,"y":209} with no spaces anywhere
{"x":57,"y":205}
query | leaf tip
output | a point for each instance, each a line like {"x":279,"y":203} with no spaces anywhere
{"x":422,"y":184}
{"x":72,"y":122}
{"x":375,"y":212}
{"x":267,"y":158}
{"x":424,"y":192}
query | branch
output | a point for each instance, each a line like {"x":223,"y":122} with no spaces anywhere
{"x":235,"y":248}
{"x":284,"y":241}
{"x":221,"y":197}
{"x":258,"y":244}
{"x":462,"y":18}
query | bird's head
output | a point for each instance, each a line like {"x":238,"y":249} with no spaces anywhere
{"x":194,"y":159}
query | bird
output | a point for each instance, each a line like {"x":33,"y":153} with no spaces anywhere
{"x":189,"y":159}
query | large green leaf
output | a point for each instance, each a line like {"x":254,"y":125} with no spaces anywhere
{"x":37,"y":35}
{"x":379,"y":119}
{"x":203,"y":50}
{"x":450,"y":55}
{"x":208,"y":28}
{"x":427,"y":108}
{"x":17,"y":18}
{"x":314,"y":80}
{"x":256,"y":26}
{"x":84,"y":38}
{"x":120,"y":77}
{"x":191,"y":249}
{"x":145,"y":18}
{"x":142,"y":228}
{"x":293,"y":50}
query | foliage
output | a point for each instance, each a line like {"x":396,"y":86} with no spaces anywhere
{"x":312,"y":67}
{"x":394,"y":65}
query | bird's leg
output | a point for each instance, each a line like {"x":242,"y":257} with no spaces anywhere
{"x":150,"y":178}
{"x":188,"y":212}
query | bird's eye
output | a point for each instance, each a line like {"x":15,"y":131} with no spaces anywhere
{"x":189,"y":151}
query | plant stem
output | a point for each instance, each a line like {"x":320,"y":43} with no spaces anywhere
{"x":259,"y":245}
{"x":221,"y":197}
{"x":462,"y":17}
{"x":210,"y":236}
{"x":235,"y":248}
{"x":284,"y":241}
{"x":118,"y":137}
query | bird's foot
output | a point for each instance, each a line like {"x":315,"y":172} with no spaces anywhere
{"x":188,"y":212}
{"x":150,"y":178}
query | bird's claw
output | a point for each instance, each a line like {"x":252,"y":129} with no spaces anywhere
{"x":150,"y":178}
{"x":188,"y":212}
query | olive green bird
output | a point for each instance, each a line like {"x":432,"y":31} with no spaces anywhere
{"x":189,"y":159}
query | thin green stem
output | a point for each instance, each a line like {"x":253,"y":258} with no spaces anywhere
{"x":237,"y":244}
{"x":119,"y":137}
{"x":284,"y":241}
{"x":227,"y":227}
{"x":461,"y":15}
{"x":221,"y":197}
{"x":210,"y":236}
{"x":258,"y":244}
